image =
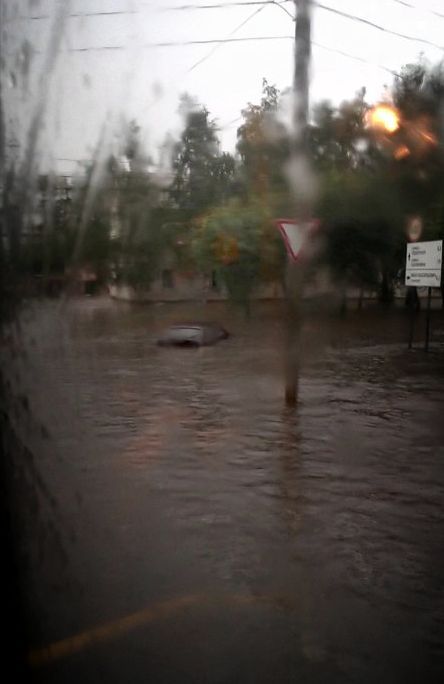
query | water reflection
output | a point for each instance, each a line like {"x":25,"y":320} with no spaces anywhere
{"x":178,"y":473}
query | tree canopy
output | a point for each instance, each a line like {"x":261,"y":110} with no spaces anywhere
{"x":217,"y":211}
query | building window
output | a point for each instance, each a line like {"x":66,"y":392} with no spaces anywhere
{"x":167,"y":279}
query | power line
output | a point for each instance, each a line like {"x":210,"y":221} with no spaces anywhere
{"x":100,"y":48}
{"x":280,"y":5}
{"x":342,"y":53}
{"x":70,"y":159}
{"x":230,"y":123}
{"x":218,"y":45}
{"x":384,"y":29}
{"x":222,"y":41}
{"x":241,"y":25}
{"x":76,"y":15}
{"x":235,"y":3}
{"x":183,"y":43}
{"x":262,"y":4}
{"x":223,"y":5}
{"x":321,"y":6}
{"x":248,"y":3}
{"x":103,"y":14}
{"x":356,"y":58}
{"x":420,"y":9}
{"x":29,"y":18}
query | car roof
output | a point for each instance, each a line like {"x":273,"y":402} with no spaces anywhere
{"x":193,"y":324}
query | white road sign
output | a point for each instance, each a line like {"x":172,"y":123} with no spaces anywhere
{"x":296,"y":235}
{"x":424,"y":264}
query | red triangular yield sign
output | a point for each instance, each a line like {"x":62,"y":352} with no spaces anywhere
{"x":296,"y":234}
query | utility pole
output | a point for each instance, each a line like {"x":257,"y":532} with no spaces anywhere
{"x":300,"y":165}
{"x":302,"y":54}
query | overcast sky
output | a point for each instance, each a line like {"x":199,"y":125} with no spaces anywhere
{"x":144,"y":82}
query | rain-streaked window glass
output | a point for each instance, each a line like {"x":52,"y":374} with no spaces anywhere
{"x":222,"y":340}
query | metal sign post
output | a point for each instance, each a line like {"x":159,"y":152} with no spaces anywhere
{"x":423,"y":269}
{"x":299,"y":243}
{"x":413,"y":230}
{"x":427,"y":336}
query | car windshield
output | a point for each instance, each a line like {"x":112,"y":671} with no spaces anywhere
{"x":222,"y":340}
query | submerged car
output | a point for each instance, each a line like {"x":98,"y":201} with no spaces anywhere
{"x":192,"y":335}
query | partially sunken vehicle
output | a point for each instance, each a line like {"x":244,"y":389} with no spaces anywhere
{"x":192,"y":335}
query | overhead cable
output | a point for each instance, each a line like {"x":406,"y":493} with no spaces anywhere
{"x":71,"y":15}
{"x":342,"y":53}
{"x":218,"y":45}
{"x":223,"y":5}
{"x":326,"y":8}
{"x":420,"y":9}
{"x":384,"y":29}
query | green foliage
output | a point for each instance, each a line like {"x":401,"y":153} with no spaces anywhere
{"x":95,"y":246}
{"x":202,"y":176}
{"x":133,"y":204}
{"x":218,"y":212}
{"x":419,"y":95}
{"x":262,"y":144}
{"x":144,"y":240}
{"x":239,"y":241}
{"x":363,"y":221}
{"x":338,"y":138}
{"x":138,"y":264}
{"x":367,"y":189}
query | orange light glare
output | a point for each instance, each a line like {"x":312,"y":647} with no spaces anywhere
{"x":385,"y":117}
{"x":401,"y":152}
{"x":429,"y":137}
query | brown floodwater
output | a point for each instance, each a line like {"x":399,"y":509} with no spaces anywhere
{"x":176,"y":523}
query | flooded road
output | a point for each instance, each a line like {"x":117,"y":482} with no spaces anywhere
{"x":178,"y":524}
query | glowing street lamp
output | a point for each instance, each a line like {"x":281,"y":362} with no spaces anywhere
{"x":383,"y":117}
{"x":401,"y":137}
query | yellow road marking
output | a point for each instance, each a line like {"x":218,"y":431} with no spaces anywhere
{"x":102,"y":633}
{"x":109,"y":630}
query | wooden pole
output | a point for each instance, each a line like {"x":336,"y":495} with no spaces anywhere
{"x":293,"y":278}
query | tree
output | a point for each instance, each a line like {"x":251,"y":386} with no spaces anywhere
{"x":239,"y":241}
{"x":419,"y":96}
{"x":338,"y":137}
{"x":202,"y":176}
{"x":263,"y":145}
{"x":140,"y":240}
{"x":370,"y":183}
{"x":363,"y":226}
